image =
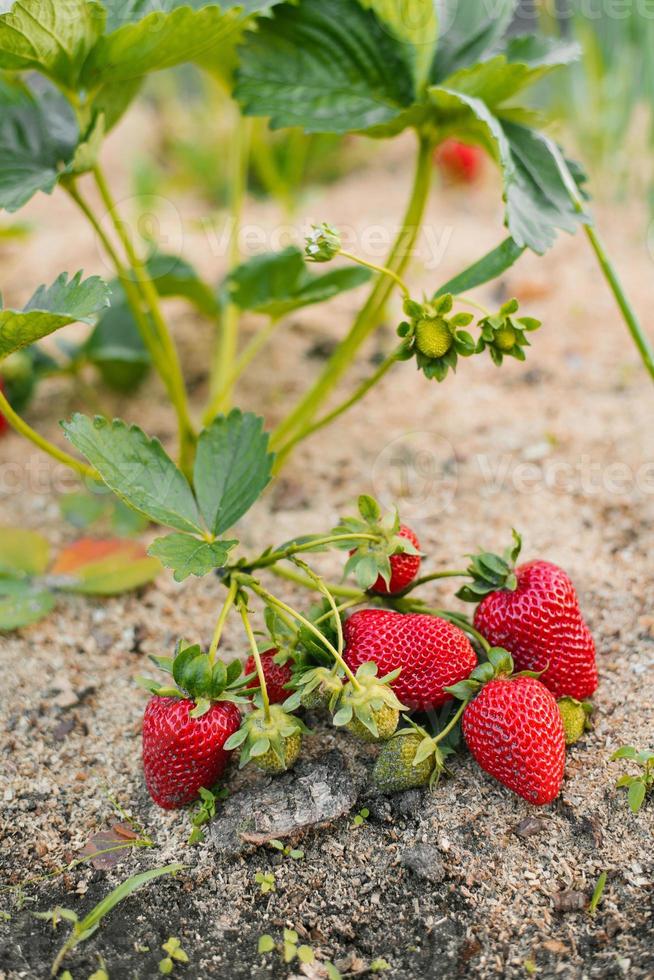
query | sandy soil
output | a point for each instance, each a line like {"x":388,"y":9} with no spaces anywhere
{"x":562,"y":448}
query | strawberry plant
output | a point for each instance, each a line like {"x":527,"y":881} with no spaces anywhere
{"x":69,"y":73}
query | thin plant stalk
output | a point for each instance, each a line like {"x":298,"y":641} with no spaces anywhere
{"x":222,"y":619}
{"x":345,"y":406}
{"x":247,"y":355}
{"x":257,"y":659}
{"x":369,"y":317}
{"x":177,"y":387}
{"x":221,"y":384}
{"x":21,"y":426}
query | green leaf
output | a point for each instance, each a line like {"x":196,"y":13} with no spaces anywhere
{"x":625,"y":752}
{"x":174,"y":276}
{"x":137,"y":469}
{"x":187,"y":555}
{"x":414,"y":23}
{"x":232,"y":468}
{"x":266,"y":944}
{"x":469,"y":29}
{"x":143,"y":37}
{"x":22,"y":604}
{"x":38,"y":138}
{"x":21,"y":551}
{"x":538,"y":202}
{"x":116,"y":347}
{"x":82,"y":509}
{"x":50,"y":36}
{"x":636,"y":795}
{"x":276,"y":283}
{"x":50,"y":308}
{"x":327,"y":68}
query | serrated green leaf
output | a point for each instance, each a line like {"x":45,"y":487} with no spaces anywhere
{"x":187,"y":555}
{"x":24,"y":552}
{"x":38,"y":137}
{"x":142,"y":38}
{"x":468,"y":31}
{"x":364,"y":82}
{"x":22,"y":604}
{"x":232,"y":468}
{"x":137,"y":469}
{"x":625,"y":752}
{"x":414,"y":23}
{"x":50,"y":36}
{"x":50,"y":308}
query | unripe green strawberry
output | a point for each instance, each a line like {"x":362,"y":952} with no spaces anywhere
{"x":575,"y":719}
{"x":269,"y":762}
{"x":394,"y":770}
{"x":433,"y":337}
{"x":386,"y":719}
{"x":505,"y":338}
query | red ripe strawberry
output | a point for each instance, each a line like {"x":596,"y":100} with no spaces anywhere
{"x":404,"y":567}
{"x":181,"y":754}
{"x":432,"y":653}
{"x":514,"y":730}
{"x":277,"y":675}
{"x":459,"y":162}
{"x":540,"y":624}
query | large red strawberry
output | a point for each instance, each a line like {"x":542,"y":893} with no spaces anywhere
{"x":186,"y":725}
{"x":277,"y":676}
{"x":182,"y":753}
{"x":432,"y":653}
{"x":514,"y":730}
{"x":404,"y":567}
{"x":533,"y":612}
{"x":459,"y":162}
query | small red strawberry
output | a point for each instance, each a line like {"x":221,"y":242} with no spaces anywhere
{"x":185,"y":727}
{"x":277,"y":675}
{"x":459,"y":162}
{"x":182,"y":753}
{"x":514,"y":730}
{"x":386,"y":558}
{"x":432,"y":653}
{"x":404,"y":567}
{"x":533,"y":612}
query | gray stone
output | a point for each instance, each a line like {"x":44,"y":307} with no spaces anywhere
{"x":425,"y":861}
{"x":313,"y":794}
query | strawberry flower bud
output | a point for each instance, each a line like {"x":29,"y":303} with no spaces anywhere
{"x":322,"y":243}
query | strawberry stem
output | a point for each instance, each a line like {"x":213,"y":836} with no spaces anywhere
{"x":452,"y":723}
{"x":343,"y":591}
{"x":222,"y":618}
{"x":293,"y":549}
{"x":257,"y":659}
{"x":377,"y":268}
{"x":272,"y":600}
{"x":19,"y":424}
{"x":432,"y":577}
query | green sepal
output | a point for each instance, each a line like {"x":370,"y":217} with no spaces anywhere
{"x":464,"y":690}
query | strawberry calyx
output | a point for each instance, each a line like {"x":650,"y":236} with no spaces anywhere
{"x":491,"y":573}
{"x":503,"y":334}
{"x":315,"y":688}
{"x":371,"y":707}
{"x":435,"y":338}
{"x":499,"y":665}
{"x":199,"y":678}
{"x":427,"y":749}
{"x":370,"y":558}
{"x":270,"y":736}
